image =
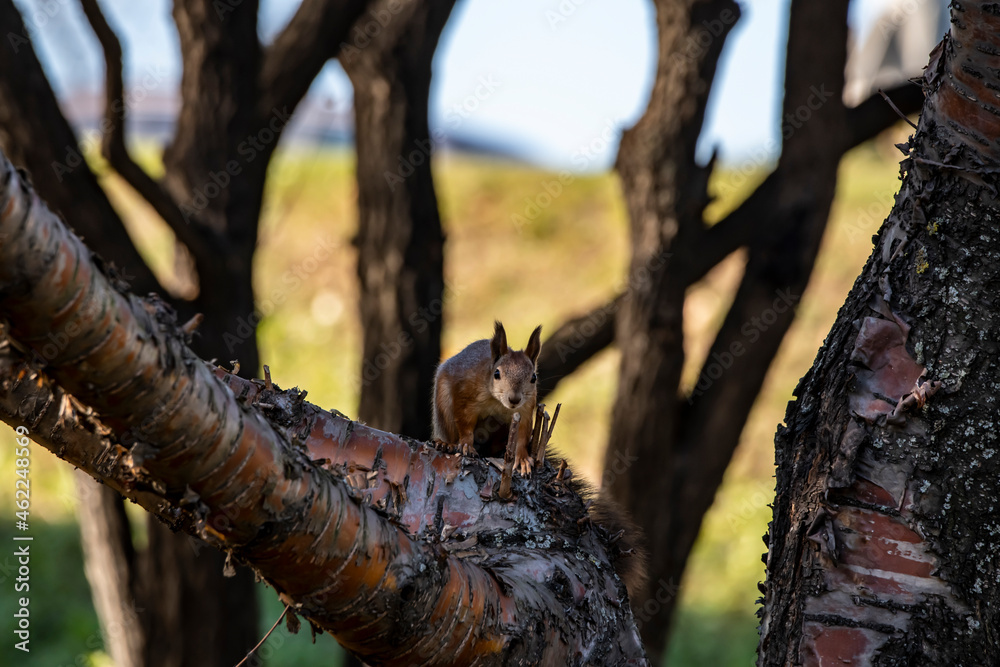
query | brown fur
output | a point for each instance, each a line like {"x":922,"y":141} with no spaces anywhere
{"x":473,"y":409}
{"x":626,"y":540}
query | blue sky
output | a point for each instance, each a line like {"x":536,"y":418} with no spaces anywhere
{"x":547,"y":77}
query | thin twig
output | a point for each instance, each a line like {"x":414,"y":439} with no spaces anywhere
{"x":541,"y":437}
{"x":254,"y":649}
{"x":536,"y":434}
{"x":896,"y":109}
{"x":113,"y":146}
{"x":508,"y":458}
{"x":552,"y":424}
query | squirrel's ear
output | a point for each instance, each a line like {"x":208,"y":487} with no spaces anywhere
{"x":534,"y":344}
{"x":498,"y":344}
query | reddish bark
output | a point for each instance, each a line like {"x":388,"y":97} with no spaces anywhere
{"x":883,"y":548}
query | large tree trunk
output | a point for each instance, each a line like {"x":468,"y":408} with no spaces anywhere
{"x":400,"y":242}
{"x":884,"y":545}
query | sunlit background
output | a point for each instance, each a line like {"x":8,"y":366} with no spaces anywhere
{"x":564,"y":70}
{"x":522,"y":89}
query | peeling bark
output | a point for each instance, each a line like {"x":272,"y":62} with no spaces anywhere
{"x":886,"y":532}
{"x":404,"y":554}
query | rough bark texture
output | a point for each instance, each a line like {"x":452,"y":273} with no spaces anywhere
{"x":400,"y":242}
{"x":886,"y":532}
{"x":405,"y":554}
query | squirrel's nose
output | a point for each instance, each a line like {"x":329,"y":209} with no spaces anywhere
{"x":514,"y":400}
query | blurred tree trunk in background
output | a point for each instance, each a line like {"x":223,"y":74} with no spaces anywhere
{"x":668,"y":451}
{"x":400,"y":242}
{"x":236,"y":98}
{"x":884,"y":546}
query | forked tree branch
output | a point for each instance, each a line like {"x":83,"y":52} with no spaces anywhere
{"x":393,"y":547}
{"x":295,"y":57}
{"x":113,"y":146}
{"x":780,"y":264}
{"x":756,"y":216}
{"x":36,"y":134}
{"x":759,"y":215}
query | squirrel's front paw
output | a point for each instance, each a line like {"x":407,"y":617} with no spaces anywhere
{"x":523,"y":462}
{"x":464,"y":448}
{"x":442,"y":446}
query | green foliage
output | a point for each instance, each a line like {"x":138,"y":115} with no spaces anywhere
{"x":64,"y":629}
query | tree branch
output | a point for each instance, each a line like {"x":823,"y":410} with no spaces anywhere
{"x":35,"y":133}
{"x":780,"y":264}
{"x":113,"y":146}
{"x":874,"y":116}
{"x":574,"y":343}
{"x":756,"y":216}
{"x":420,"y":567}
{"x":295,"y":57}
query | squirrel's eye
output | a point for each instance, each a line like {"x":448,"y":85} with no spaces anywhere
{"x":533,"y":378}
{"x":496,"y":374}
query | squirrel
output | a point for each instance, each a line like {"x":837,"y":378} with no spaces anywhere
{"x":477,"y":392}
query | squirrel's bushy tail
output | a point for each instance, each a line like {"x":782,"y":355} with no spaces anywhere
{"x":628,"y":550}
